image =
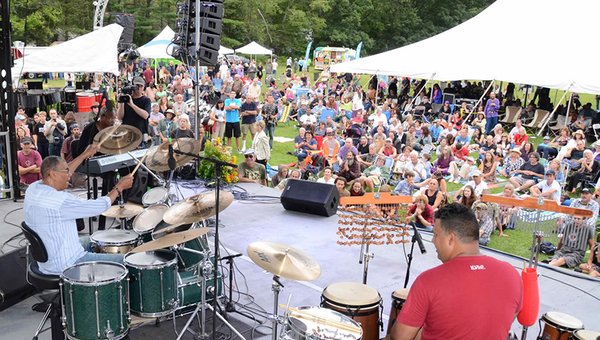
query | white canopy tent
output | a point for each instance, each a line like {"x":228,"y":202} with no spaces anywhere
{"x":543,"y":43}
{"x":224,"y":50}
{"x":254,"y":48}
{"x":160,"y":47}
{"x":92,"y":52}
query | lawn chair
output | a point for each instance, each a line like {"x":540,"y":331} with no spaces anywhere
{"x":512,"y":114}
{"x":538,"y":118}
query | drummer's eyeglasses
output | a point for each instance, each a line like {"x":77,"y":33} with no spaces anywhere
{"x":67,"y":171}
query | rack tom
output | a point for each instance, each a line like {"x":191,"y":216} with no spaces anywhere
{"x":114,"y":241}
{"x":358,"y":301}
{"x":158,"y":195}
{"x":144,"y":223}
{"x":95,"y":298}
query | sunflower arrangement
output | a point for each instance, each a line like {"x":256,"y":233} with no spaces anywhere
{"x":215,"y":149}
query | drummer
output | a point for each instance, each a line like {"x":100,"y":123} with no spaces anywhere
{"x":469,"y":296}
{"x":105,"y":119}
{"x":51,"y":212}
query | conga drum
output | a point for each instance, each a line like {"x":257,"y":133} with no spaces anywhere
{"x":358,"y":301}
{"x":399,"y":297}
{"x":559,"y":326}
{"x":584,"y":334}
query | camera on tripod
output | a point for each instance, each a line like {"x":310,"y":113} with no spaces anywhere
{"x":126,"y":92}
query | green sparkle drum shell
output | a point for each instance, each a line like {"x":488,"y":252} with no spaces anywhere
{"x":187,"y":260}
{"x":189,"y":288}
{"x":95,"y":301}
{"x":152,"y":282}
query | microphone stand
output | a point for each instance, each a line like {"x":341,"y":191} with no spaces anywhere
{"x":415,"y":238}
{"x":218,"y":167}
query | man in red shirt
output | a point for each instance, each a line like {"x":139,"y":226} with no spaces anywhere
{"x":460,"y":152}
{"x":29,"y":161}
{"x":470,"y":296}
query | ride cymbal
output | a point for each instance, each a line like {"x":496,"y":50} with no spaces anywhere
{"x":158,"y":158}
{"x":120,"y":140}
{"x":126,"y":210}
{"x":197,"y":208}
{"x":171,"y":240}
{"x":284,"y":261}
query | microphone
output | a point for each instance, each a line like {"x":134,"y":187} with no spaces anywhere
{"x":417,"y":237}
{"x":171,"y":161}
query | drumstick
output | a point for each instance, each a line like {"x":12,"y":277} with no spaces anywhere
{"x":305,"y":315}
{"x":140,"y":162}
{"x":109,"y":134}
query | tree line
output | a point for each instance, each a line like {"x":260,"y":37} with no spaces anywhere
{"x":282,"y":25}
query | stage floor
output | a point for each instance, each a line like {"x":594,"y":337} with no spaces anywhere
{"x":260,"y":217}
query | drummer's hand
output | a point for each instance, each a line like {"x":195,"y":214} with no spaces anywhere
{"x":125,"y":182}
{"x":91,"y":150}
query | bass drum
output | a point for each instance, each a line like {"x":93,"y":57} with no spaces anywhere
{"x":189,"y":286}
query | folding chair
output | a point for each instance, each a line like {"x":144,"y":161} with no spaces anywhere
{"x":512,"y":114}
{"x":538,"y":118}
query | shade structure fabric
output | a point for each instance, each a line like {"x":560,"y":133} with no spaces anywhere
{"x":92,"y":52}
{"x":529,"y":53}
{"x":160,"y":47}
{"x":253,"y":48}
{"x":224,"y":50}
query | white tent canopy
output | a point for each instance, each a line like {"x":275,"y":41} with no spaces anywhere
{"x":160,"y":47}
{"x":528,"y":49}
{"x":224,"y":50}
{"x":92,"y":52}
{"x":253,"y":48}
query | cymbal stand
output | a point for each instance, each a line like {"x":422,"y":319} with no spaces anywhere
{"x":276,"y":288}
{"x":365,"y":256}
{"x":161,"y":181}
{"x":121,"y":202}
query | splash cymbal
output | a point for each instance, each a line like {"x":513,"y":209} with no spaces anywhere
{"x":120,"y":140}
{"x":171,"y":240}
{"x":284,"y":261}
{"x":126,"y":210}
{"x":158,"y":158}
{"x":197,"y":208}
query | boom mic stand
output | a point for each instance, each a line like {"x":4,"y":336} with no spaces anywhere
{"x":218,"y":167}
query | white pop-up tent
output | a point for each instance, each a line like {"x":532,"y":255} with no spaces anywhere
{"x":539,"y":42}
{"x":160,"y":47}
{"x":92,"y":52}
{"x":224,"y":50}
{"x":253,"y":48}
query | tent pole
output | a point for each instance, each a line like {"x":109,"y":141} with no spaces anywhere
{"x":418,"y":93}
{"x":554,"y":110}
{"x":480,"y":99}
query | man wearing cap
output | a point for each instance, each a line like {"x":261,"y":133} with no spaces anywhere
{"x":166,"y":126}
{"x":67,"y":147}
{"x":548,"y":188}
{"x":512,"y":163}
{"x":137,"y":109}
{"x":528,"y":174}
{"x":29,"y":162}
{"x":250,"y":171}
{"x":586,"y":202}
{"x":545,"y":150}
{"x":479,"y":186}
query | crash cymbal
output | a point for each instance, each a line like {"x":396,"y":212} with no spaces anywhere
{"x":158,"y":158}
{"x":126,"y":210}
{"x":197,"y":208}
{"x":284,"y":261}
{"x":171,"y":240}
{"x":121,"y":140}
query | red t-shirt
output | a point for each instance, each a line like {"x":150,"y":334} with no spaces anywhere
{"x":521,"y":138}
{"x":427,"y":212}
{"x":27,"y":161}
{"x":461,"y":154}
{"x":468,"y":297}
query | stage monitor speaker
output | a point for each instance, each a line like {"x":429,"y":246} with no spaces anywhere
{"x":140,"y":183}
{"x":128,"y":22}
{"x":13,"y":286}
{"x":310,"y":197}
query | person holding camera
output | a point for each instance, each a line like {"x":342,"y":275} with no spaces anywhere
{"x":134,"y":107}
{"x":55,"y":130}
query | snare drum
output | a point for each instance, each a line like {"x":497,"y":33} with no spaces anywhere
{"x":94,"y":300}
{"x":358,"y":301}
{"x":559,"y":326}
{"x":189,"y":288}
{"x":152,"y":282}
{"x":114,"y":241}
{"x":158,"y":195}
{"x":584,"y":334}
{"x":319,"y":323}
{"x":144,"y":223}
{"x":398,"y":299}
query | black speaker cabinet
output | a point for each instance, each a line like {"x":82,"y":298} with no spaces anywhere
{"x":13,"y":285}
{"x":310,"y":197}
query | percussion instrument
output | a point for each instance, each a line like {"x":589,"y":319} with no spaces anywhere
{"x":358,"y":301}
{"x":399,"y":297}
{"x":187,"y":260}
{"x":158,"y":159}
{"x":152,"y":282}
{"x":170,"y":240}
{"x":189,"y":286}
{"x":311,"y":322}
{"x":584,"y":334}
{"x":85,"y":100}
{"x":284,"y":261}
{"x":197,"y":208}
{"x":559,"y":326}
{"x":126,"y":210}
{"x":144,"y":223}
{"x":158,"y":195}
{"x":94,"y":298}
{"x":114,"y":241}
{"x":119,"y":140}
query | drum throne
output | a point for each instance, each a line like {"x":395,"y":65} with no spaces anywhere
{"x":43,"y":282}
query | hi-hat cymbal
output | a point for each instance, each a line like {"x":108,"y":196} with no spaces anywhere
{"x":124,"y":139}
{"x":197,"y":208}
{"x":126,"y":210}
{"x":171,"y":240}
{"x":158,"y":157}
{"x":284,"y":261}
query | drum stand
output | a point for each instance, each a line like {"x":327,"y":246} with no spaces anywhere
{"x":204,"y":271}
{"x":276,"y":288}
